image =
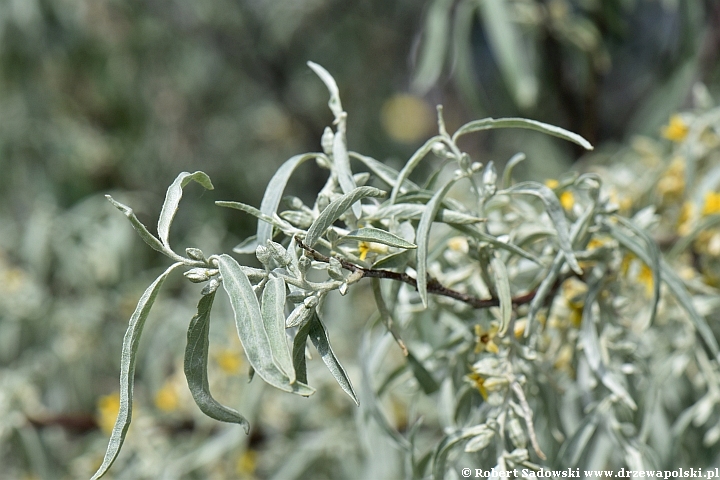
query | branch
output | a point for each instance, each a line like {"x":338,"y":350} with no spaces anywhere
{"x":433,"y":285}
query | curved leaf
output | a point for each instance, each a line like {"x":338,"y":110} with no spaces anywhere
{"x":369,"y":234}
{"x":654,"y":253}
{"x":147,"y":237}
{"x":509,"y":166}
{"x":502,"y":285}
{"x":492,"y":123}
{"x":556,"y":213}
{"x":196,"y":360}
{"x":434,"y":46}
{"x":250,"y":328}
{"x":383,"y":172}
{"x":319,"y":337}
{"x":336,"y":208}
{"x":329,"y":81}
{"x":386,"y":316}
{"x":172,"y":201}
{"x":413,"y":211}
{"x":273,"y":316}
{"x":274,"y":191}
{"x":127,"y":370}
{"x":299,"y":349}
{"x":255,"y":213}
{"x":674,"y":283}
{"x":423,"y":237}
{"x":411,"y":164}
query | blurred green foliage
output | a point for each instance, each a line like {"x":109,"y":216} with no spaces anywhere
{"x":108,"y":96}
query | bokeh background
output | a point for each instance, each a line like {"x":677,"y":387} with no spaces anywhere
{"x":109,"y":96}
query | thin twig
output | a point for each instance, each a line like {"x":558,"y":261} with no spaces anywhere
{"x":433,"y":285}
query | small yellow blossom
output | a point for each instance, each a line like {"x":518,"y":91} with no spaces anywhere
{"x":479,"y":383}
{"x":712,"y":203}
{"x":246,"y":464}
{"x":366,"y":247}
{"x":229,"y":361}
{"x":166,"y":398}
{"x":564,"y":358}
{"x":685,"y":219}
{"x":574,"y":292}
{"x":676,"y":130}
{"x":108,"y":407}
{"x":645,"y":276}
{"x":519,"y":328}
{"x":567,"y":200}
{"x":672,"y":182}
{"x":485,"y":338}
{"x":596,"y":243}
{"x":552,"y":183}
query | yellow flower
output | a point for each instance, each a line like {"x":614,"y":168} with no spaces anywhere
{"x":645,"y":276}
{"x":108,"y":407}
{"x":676,"y":130}
{"x":484,"y":338}
{"x":672,"y":182}
{"x":552,"y":183}
{"x":229,"y":361}
{"x":567,"y":200}
{"x":166,"y":398}
{"x":519,"y":328}
{"x":574,"y":292}
{"x":685,"y":218}
{"x":478,"y":382}
{"x":246,"y":464}
{"x":712,"y":203}
{"x":564,"y":358}
{"x":458,"y":244}
{"x":366,"y":247}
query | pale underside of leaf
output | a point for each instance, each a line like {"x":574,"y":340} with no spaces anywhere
{"x":127,"y":369}
{"x":492,"y":123}
{"x":273,"y":315}
{"x":369,"y":234}
{"x":250,"y":328}
{"x":172,"y":201}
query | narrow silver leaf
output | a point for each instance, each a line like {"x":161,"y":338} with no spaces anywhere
{"x":336,"y":208}
{"x":172,"y":201}
{"x":195,"y":366}
{"x":127,"y":369}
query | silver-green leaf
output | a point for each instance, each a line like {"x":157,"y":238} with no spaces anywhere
{"x":127,"y":369}
{"x":172,"y":201}
{"x":250,"y":328}
{"x":319,"y":337}
{"x":556,"y":213}
{"x":195,"y":366}
{"x":274,"y":191}
{"x":492,"y":123}
{"x":423,"y":237}
{"x":273,"y":316}
{"x":502,"y":285}
{"x":336,"y":208}
{"x":370,"y":234}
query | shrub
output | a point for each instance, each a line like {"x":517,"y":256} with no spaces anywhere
{"x":543,"y":318}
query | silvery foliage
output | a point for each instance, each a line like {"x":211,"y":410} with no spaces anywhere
{"x":468,"y":286}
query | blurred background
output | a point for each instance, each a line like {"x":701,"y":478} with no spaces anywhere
{"x":109,"y":96}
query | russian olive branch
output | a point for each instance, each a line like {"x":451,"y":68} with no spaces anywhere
{"x":433,"y":285}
